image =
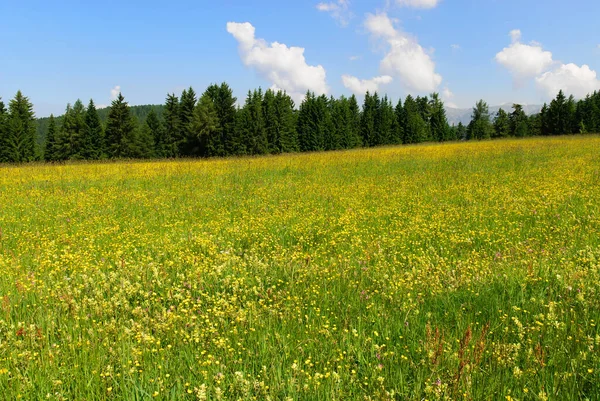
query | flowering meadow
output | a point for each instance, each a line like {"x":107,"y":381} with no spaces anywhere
{"x":457,"y":271}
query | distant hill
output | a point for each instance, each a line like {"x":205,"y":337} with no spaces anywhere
{"x":139,"y":112}
{"x":464,"y":115}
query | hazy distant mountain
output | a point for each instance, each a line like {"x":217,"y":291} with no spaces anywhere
{"x":464,"y":115}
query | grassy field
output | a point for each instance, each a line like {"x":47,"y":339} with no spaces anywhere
{"x":463,"y":271}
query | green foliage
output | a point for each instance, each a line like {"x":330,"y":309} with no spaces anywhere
{"x":438,"y":122}
{"x":50,"y":151}
{"x":93,"y":139}
{"x":166,"y":144}
{"x":17,"y":141}
{"x":519,"y":124}
{"x":121,"y":131}
{"x":480,"y":126}
{"x":206,"y":127}
{"x":415,"y":130}
{"x":187,"y":140}
{"x":501,"y":125}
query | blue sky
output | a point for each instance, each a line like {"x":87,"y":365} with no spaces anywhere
{"x":499,"y":50}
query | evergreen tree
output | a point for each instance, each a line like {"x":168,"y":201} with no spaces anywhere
{"x":438,"y":122}
{"x":3,"y":132}
{"x":415,"y":130}
{"x":145,"y":147}
{"x":398,"y":134}
{"x":206,"y":125}
{"x":286,"y":117}
{"x":501,"y":125}
{"x":461,"y":132}
{"x":307,"y":124}
{"x":367,"y":123}
{"x":50,"y":147}
{"x":384,"y":122}
{"x":156,"y":133}
{"x":480,"y":126}
{"x":271,"y":121}
{"x":331,"y":141}
{"x":519,"y":124}
{"x":121,"y":140}
{"x":186,"y":139}
{"x":227,"y":142}
{"x":93,"y":140}
{"x":257,"y":135}
{"x":19,"y":138}
{"x":167,"y":145}
{"x":355,"y":139}
{"x":545,"y":128}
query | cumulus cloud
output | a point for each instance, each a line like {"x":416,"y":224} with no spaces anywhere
{"x":114,"y":92}
{"x":361,"y":86}
{"x":285,"y":67}
{"x":418,"y":3}
{"x":528,"y":61}
{"x":405,"y":58}
{"x":572,"y":79}
{"x":524,"y":61}
{"x":339,"y":10}
{"x":447,"y":97}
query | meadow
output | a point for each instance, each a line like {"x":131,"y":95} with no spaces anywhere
{"x":457,"y":271}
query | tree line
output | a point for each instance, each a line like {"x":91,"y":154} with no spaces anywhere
{"x":212,"y":125}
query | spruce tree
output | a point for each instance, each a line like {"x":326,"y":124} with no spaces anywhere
{"x":367,"y":123}
{"x":144,"y":148}
{"x":416,"y":129}
{"x":168,"y":146}
{"x":501,"y":125}
{"x":187,"y":140}
{"x":157,"y":133}
{"x":286,"y":117}
{"x":331,"y":140}
{"x":50,"y":147}
{"x":355,"y":139}
{"x":271,"y":122}
{"x":3,"y":132}
{"x":480,"y":126}
{"x":93,"y":141}
{"x":439,"y":127}
{"x":257,"y":135}
{"x":121,"y":132}
{"x":384,"y":122}
{"x":205,"y":125}
{"x":226,"y":142}
{"x":19,"y":140}
{"x":399,"y":127}
{"x":519,"y":124}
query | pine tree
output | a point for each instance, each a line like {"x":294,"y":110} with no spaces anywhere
{"x":50,"y":147}
{"x":286,"y":116}
{"x":398,"y":134}
{"x":19,"y":139}
{"x":331,"y":141}
{"x":226,"y":143}
{"x":461,"y":132}
{"x":168,"y":145}
{"x":308,"y":131}
{"x":501,"y":125}
{"x":384,"y":122}
{"x":187,"y":140}
{"x":355,"y":140}
{"x":438,"y":122}
{"x":519,"y":124}
{"x":480,"y":126}
{"x":367,"y":123}
{"x":205,"y":125}
{"x":121,"y":140}
{"x":145,"y":147}
{"x":257,"y":135}
{"x":3,"y":132}
{"x":271,"y":122}
{"x":156,"y":133}
{"x":415,"y":130}
{"x":93,"y":140}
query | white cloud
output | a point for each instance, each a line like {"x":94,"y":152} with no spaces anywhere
{"x":454,"y":46}
{"x":114,"y":92}
{"x":447,"y":97}
{"x":285,"y":67}
{"x":418,"y":3}
{"x":354,"y":58}
{"x":361,"y":86}
{"x":528,"y":61}
{"x":102,"y":106}
{"x":572,"y":79}
{"x":339,"y":10}
{"x":405,"y":58}
{"x":524,"y":61}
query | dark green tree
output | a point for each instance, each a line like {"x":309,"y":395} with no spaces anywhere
{"x":480,"y":126}
{"x":226,"y":143}
{"x":501,"y":125}
{"x":368,"y":116}
{"x":121,"y":135}
{"x":168,"y":144}
{"x":19,"y":143}
{"x":93,"y":139}
{"x":438,"y":122}
{"x":50,"y":146}
{"x":519,"y":124}
{"x":187,"y":140}
{"x":286,"y":117}
{"x":206,"y":126}
{"x":415,"y":130}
